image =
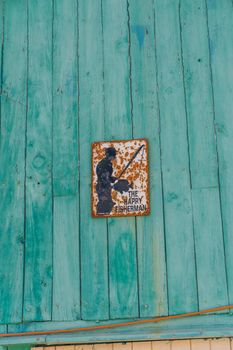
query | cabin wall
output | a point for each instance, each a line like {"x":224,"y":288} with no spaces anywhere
{"x":78,"y":71}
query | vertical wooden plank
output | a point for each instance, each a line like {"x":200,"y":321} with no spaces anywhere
{"x":182,"y":290}
{"x":200,"y":344}
{"x":220,"y":24}
{"x":66,"y":281}
{"x":220,"y":344}
{"x":199,"y":100}
{"x":211,"y":269}
{"x":94,"y":262}
{"x":12,"y":155}
{"x":1,"y":42}
{"x":66,"y":292}
{"x":2,"y":317}
{"x":122,"y":239}
{"x":150,"y":230}
{"x":180,"y":345}
{"x":65,"y":98}
{"x":38,"y":259}
{"x":161,"y":345}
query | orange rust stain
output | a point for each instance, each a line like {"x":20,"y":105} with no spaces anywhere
{"x":137,"y":171}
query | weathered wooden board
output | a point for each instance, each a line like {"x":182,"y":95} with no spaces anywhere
{"x":198,"y":94}
{"x":12,"y":156}
{"x":123,"y":275}
{"x":65,"y":98}
{"x":180,"y":254}
{"x":38,"y":244}
{"x":93,"y":233}
{"x":150,"y":230}
{"x":220,"y":17}
{"x":194,"y":327}
{"x":211,"y":269}
{"x":66,"y":266}
{"x":3,"y":329}
{"x":66,"y":281}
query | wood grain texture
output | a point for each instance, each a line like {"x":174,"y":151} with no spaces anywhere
{"x":65,"y":98}
{"x":66,"y":267}
{"x":126,"y":336}
{"x":220,"y":26}
{"x":94,"y":255}
{"x":150,"y":230}
{"x":12,"y":156}
{"x":1,"y":38}
{"x":182,"y":290}
{"x":38,"y":259}
{"x":66,"y":277}
{"x":211,"y":269}
{"x":123,"y":280}
{"x":198,"y":93}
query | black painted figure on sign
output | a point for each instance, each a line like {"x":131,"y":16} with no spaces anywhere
{"x":107,"y":182}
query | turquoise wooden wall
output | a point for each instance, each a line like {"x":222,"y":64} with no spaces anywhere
{"x":77,"y":71}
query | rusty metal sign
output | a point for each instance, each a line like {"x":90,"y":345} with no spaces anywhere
{"x":120,"y":178}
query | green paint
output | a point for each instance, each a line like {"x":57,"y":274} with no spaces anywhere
{"x":94,"y":264}
{"x":199,"y":99}
{"x":211,"y":270}
{"x":66,"y":279}
{"x":65,"y":98}
{"x":38,"y":245}
{"x":182,"y":290}
{"x":3,"y":329}
{"x":193,"y":327}
{"x":221,"y":53}
{"x":12,"y":155}
{"x":150,"y":230}
{"x":115,"y":70}
{"x":118,"y":125}
{"x":19,"y":347}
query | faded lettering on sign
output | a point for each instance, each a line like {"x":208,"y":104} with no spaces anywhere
{"x":120,"y":178}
